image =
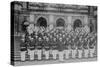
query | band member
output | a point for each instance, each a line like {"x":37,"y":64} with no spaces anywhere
{"x":39,"y":48}
{"x":61,"y":47}
{"x":57,"y":36}
{"x":67,"y":51}
{"x":24,"y":25}
{"x":91,"y":46}
{"x":31,"y":47}
{"x":47,"y":48}
{"x":86,"y":48}
{"x":23,"y":48}
{"x":73,"y":47}
{"x":50,"y":43}
{"x":54,"y":48}
{"x":80,"y":51}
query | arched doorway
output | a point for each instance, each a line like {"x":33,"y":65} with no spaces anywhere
{"x":60,"y":22}
{"x":42,"y":22}
{"x":77,"y":23}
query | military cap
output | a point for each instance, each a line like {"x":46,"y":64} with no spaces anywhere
{"x":63,"y":35}
{"x":47,"y":39}
{"x":60,"y":34}
{"x":36,"y":36}
{"x":43,"y":37}
{"x":40,"y":38}
{"x":54,"y":39}
{"x":60,"y":38}
{"x":57,"y":36}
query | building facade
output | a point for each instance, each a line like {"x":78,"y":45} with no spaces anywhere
{"x":65,"y":32}
{"x":58,"y":15}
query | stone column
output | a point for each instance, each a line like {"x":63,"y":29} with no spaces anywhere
{"x":69,"y":27}
{"x":51,"y":20}
{"x":86,"y":22}
{"x":31,"y":18}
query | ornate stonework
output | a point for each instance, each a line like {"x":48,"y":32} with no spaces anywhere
{"x":52,"y":12}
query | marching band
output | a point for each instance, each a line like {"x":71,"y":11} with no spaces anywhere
{"x":57,"y":44}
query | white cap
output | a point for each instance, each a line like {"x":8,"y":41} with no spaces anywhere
{"x":60,"y":34}
{"x":47,"y":39}
{"x":54,"y":39}
{"x":63,"y":35}
{"x":60,"y":38}
{"x":39,"y":39}
{"x":36,"y":36}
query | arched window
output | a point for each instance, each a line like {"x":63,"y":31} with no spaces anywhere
{"x":42,"y":22}
{"x":60,"y":22}
{"x":77,"y":23}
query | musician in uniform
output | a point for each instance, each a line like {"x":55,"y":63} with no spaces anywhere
{"x":61,"y":47}
{"x":23,"y":48}
{"x":49,"y":35}
{"x":46,"y":48}
{"x":86,"y":48}
{"x":54,"y":48}
{"x":79,"y":45}
{"x":69,"y":42}
{"x":92,"y":46}
{"x":39,"y":46}
{"x":31,"y":48}
{"x":67,"y":51}
{"x":29,"y":35}
{"x":73,"y":47}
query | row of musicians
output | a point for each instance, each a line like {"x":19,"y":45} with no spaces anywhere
{"x":55,"y":47}
{"x":60,"y":43}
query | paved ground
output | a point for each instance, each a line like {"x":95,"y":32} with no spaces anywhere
{"x":53,"y":61}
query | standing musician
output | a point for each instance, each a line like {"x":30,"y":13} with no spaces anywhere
{"x":46,"y":48}
{"x":80,"y":45}
{"x":31,"y":48}
{"x":92,"y":46}
{"x":67,"y":51}
{"x":73,"y":47}
{"x":54,"y":48}
{"x":86,"y":48}
{"x":39,"y":46}
{"x":61,"y":47}
{"x":23,"y":48}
